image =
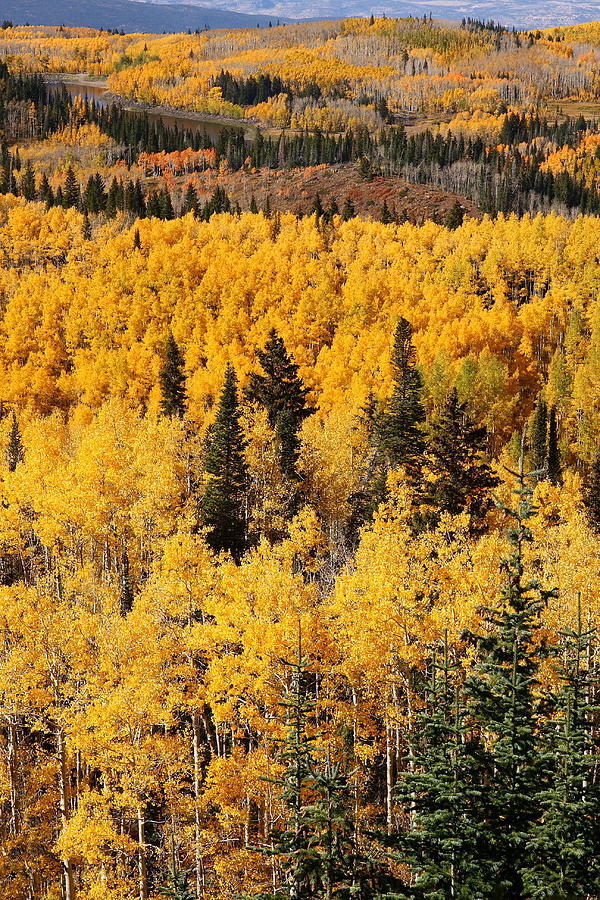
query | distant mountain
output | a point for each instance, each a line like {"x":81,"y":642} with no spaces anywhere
{"x":129,"y":15}
{"x":520,"y":13}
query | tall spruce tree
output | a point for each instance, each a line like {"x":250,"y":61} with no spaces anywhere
{"x":539,"y":436}
{"x":172,"y":381}
{"x":315,"y":846}
{"x":564,"y":847}
{"x":223,"y":505}
{"x":399,"y":429}
{"x":72,"y":193}
{"x":500,"y":697}
{"x":440,"y":785}
{"x":14,"y":450}
{"x":462,"y":480}
{"x":177,"y":886}
{"x":281,"y":392}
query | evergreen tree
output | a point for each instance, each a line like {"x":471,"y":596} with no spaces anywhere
{"x":386,"y":216}
{"x":455,"y":216}
{"x":501,"y":699}
{"x":28,"y":189}
{"x":137,"y":243}
{"x":440,"y":785}
{"x":177,"y":886}
{"x":253,"y":205}
{"x":223,"y":507}
{"x":553,"y":460}
{"x":400,"y":427}
{"x":190,"y":201}
{"x":564,"y":848}
{"x":539,"y":436}
{"x":315,"y":847}
{"x":71,"y":194}
{"x":166,"y":206}
{"x":281,"y":392}
{"x":348,"y":210}
{"x":46,"y":194}
{"x":172,"y":381}
{"x":462,"y":479}
{"x":15,"y":445}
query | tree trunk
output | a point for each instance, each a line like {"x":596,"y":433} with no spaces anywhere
{"x":63,"y":787}
{"x":197,"y":783}
{"x":143,"y":881}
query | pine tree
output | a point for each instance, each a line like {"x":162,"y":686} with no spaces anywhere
{"x":539,"y":436}
{"x":172,"y":381}
{"x":166,"y":206}
{"x":462,"y":480}
{"x":386,"y":216}
{"x":223,"y":507}
{"x":348,"y":210}
{"x":281,"y":392}
{"x":439,"y":786}
{"x":500,"y":697}
{"x":71,"y":194}
{"x":253,"y":208}
{"x":15,"y":445}
{"x":137,"y":243}
{"x":564,"y":847}
{"x":553,"y":461}
{"x":315,"y":848}
{"x":190,"y":201}
{"x":455,"y":216}
{"x":177,"y":886}
{"x":46,"y":194}
{"x":28,"y":188}
{"x":400,"y":427}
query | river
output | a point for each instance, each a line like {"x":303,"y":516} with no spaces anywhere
{"x":192,"y":123}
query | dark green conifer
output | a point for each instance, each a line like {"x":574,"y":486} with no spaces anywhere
{"x":190,"y":201}
{"x":253,"y":205}
{"x":348,"y":210}
{"x":462,"y":480}
{"x":455,"y":216}
{"x":386,"y":216}
{"x":223,"y":506}
{"x":539,"y":436}
{"x":177,"y":886}
{"x":15,"y":445}
{"x":281,"y":392}
{"x":137,"y":242}
{"x":400,"y":427}
{"x":501,"y":698}
{"x":564,"y":848}
{"x":28,"y":188}
{"x":172,"y":380}
{"x":72,"y":193}
{"x":440,"y":784}
{"x":166,"y":206}
{"x":46,"y":194}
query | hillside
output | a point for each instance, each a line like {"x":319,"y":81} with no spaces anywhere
{"x":300,"y":462}
{"x":128,"y":15}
